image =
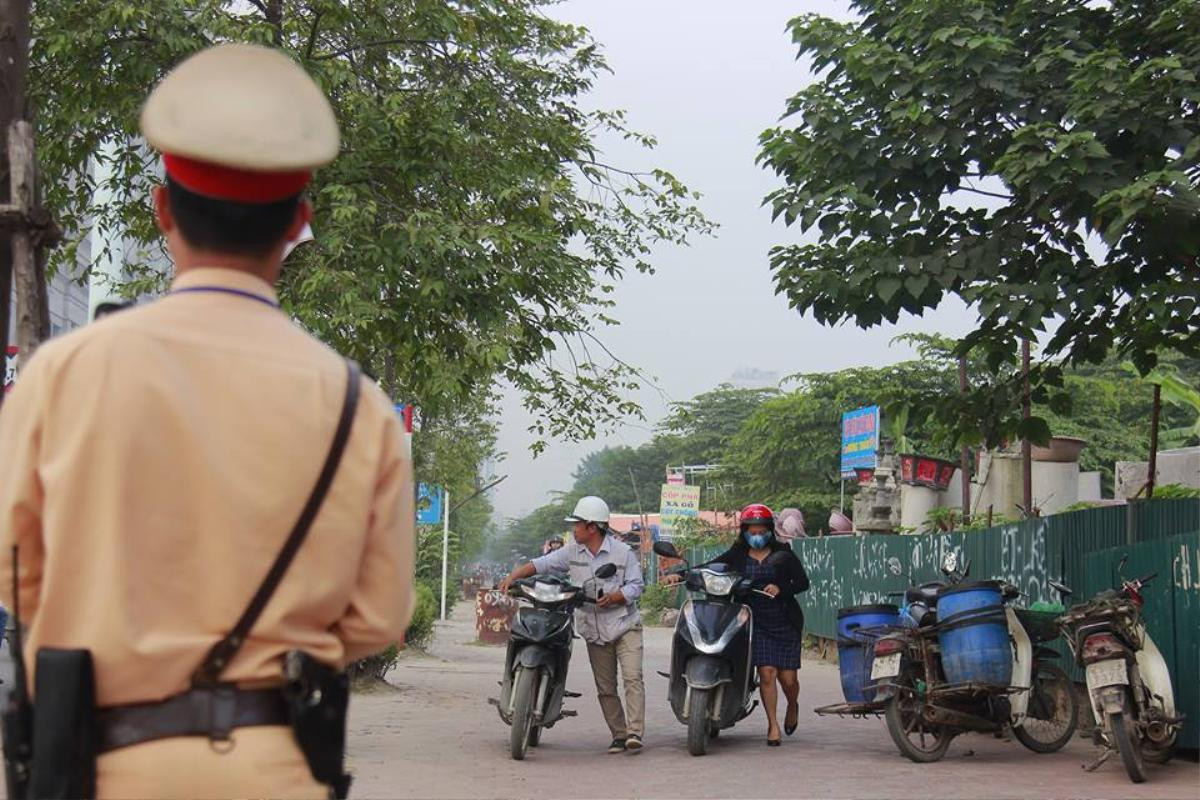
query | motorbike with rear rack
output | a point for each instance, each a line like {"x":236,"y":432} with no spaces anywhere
{"x":1128,"y":682}
{"x":956,"y":657}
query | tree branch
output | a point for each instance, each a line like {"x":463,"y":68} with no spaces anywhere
{"x":984,"y":192}
{"x":312,"y":34}
{"x":366,"y":45}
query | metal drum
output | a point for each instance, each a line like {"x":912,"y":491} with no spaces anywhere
{"x":494,"y":611}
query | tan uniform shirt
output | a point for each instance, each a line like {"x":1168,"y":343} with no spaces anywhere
{"x":151,"y":467}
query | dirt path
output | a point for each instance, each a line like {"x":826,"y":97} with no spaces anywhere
{"x":436,"y":737}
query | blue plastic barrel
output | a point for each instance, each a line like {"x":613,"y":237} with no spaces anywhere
{"x":973,"y":634}
{"x":854,"y":647}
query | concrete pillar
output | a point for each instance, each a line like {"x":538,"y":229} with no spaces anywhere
{"x":1055,"y":485}
{"x":915,"y":504}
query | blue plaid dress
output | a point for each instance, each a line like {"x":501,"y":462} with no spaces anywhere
{"x":776,"y":643}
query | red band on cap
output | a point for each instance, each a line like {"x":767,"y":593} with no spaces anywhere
{"x":230,"y":183}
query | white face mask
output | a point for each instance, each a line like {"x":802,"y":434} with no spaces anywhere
{"x":306,"y":235}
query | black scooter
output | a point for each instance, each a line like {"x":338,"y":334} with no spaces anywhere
{"x":712,"y":680}
{"x":539,"y":652}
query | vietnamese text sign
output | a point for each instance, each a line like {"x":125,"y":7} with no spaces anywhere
{"x":10,"y":367}
{"x":678,"y":503}
{"x":860,"y":439}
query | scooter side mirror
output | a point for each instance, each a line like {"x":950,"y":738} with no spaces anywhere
{"x":949,"y":562}
{"x":606,"y":571}
{"x":666,"y":549}
{"x":1061,"y":589}
{"x":894,"y":566}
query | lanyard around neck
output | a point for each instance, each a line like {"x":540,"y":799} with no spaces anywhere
{"x":227,"y":290}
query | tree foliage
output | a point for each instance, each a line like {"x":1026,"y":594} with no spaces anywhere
{"x":783,"y":447}
{"x":1038,"y":160}
{"x":470,"y":226}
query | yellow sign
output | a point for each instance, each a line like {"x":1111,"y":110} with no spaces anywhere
{"x":678,"y":503}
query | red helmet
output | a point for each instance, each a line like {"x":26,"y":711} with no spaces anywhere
{"x":757,"y":514}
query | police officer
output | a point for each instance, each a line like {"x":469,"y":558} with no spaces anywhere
{"x":612,"y":627}
{"x":154,"y":463}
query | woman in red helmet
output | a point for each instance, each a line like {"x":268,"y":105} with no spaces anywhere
{"x":778,"y":620}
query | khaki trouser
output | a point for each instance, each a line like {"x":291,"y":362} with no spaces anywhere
{"x":264,"y":762}
{"x":626,"y":651}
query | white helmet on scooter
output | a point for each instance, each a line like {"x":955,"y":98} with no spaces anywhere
{"x":590,"y":509}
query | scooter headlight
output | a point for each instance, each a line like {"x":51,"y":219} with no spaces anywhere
{"x":717,"y":584}
{"x":547,"y":592}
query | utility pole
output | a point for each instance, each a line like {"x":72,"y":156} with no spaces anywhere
{"x":445,"y":547}
{"x":26,"y":229}
{"x":1026,"y":447}
{"x":1155,"y":414}
{"x":965,"y":455}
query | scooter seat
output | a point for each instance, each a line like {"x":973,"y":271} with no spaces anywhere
{"x":925,"y":593}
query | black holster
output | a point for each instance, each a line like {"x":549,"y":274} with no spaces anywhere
{"x":318,"y":697}
{"x":64,"y":726}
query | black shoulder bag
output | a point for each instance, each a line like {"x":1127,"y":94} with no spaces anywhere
{"x":317,"y":695}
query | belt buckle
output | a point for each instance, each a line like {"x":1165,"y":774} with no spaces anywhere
{"x":216,"y":709}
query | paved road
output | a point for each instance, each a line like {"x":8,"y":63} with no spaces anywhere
{"x":434,"y":736}
{"x":437,"y":738}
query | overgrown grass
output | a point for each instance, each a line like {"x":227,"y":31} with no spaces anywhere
{"x":372,"y":669}
{"x":656,"y":599}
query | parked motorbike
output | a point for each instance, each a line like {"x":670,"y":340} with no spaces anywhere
{"x":711,"y":679}
{"x":539,"y":653}
{"x":980,"y":666}
{"x":1128,"y":681}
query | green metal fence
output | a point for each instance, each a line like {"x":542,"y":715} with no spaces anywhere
{"x":849,"y":570}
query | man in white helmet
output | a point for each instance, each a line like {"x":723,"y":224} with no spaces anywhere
{"x":612,"y":627}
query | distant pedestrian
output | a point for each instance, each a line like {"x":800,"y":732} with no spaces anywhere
{"x":612,"y":627}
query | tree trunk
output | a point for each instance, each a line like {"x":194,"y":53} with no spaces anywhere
{"x":14,"y":29}
{"x":274,"y":15}
{"x":20,"y":242}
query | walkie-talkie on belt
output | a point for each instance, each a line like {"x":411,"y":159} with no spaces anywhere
{"x":18,"y":709}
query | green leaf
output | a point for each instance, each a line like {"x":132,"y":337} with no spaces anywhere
{"x":887,"y":288}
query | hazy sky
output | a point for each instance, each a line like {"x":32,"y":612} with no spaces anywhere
{"x":706,"y":77}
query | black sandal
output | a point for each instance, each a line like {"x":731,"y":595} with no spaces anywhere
{"x":790,"y":728}
{"x":774,"y":743}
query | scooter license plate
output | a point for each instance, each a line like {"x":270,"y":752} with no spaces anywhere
{"x":1107,"y":673}
{"x":885,"y":666}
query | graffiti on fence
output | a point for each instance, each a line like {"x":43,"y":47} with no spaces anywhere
{"x":1024,"y":559}
{"x":1185,"y":568}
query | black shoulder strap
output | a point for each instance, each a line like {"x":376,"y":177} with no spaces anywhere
{"x":223,"y":651}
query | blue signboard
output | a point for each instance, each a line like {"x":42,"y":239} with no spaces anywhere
{"x":429,"y":504}
{"x":860,"y":439}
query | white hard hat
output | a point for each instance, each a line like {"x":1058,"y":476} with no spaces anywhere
{"x":590,"y":509}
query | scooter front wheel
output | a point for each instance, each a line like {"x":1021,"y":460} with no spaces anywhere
{"x":699,"y":716}
{"x":1128,"y":746}
{"x":1053,"y":712}
{"x":916,"y":739}
{"x":525,"y":692}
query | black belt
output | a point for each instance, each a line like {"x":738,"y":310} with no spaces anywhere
{"x":211,"y":712}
